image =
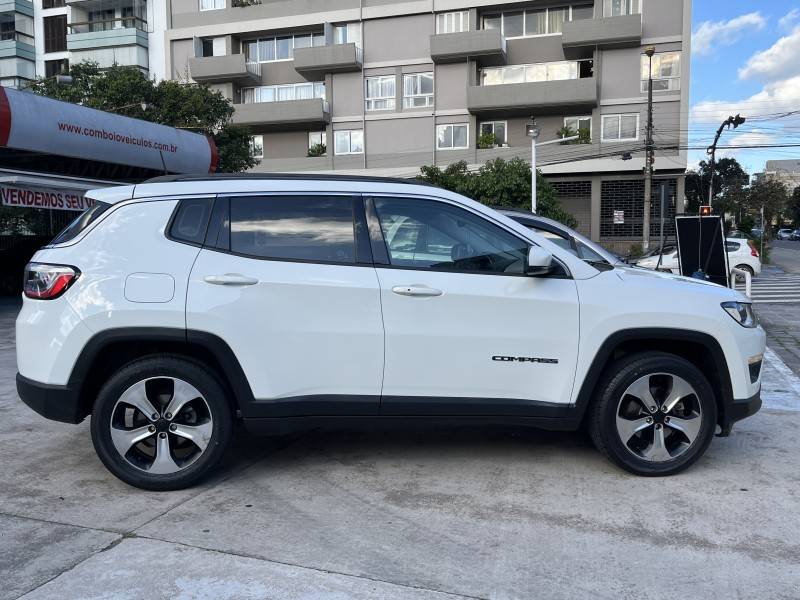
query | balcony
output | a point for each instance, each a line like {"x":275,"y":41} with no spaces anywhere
{"x":316,"y":61}
{"x":223,"y":69}
{"x":283,"y":115}
{"x":542,"y":97}
{"x":487,"y":46}
{"x":605,"y":33}
{"x":107,"y":33}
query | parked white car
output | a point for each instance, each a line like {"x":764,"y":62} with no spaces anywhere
{"x":174,"y":308}
{"x":741,"y":255}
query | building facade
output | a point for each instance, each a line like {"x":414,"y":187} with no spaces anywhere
{"x":108,"y":32}
{"x":17,"y":51}
{"x":384,"y":87}
{"x":786,"y":172}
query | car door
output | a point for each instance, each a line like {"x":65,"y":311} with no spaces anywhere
{"x":287,"y":281}
{"x":467,"y":332}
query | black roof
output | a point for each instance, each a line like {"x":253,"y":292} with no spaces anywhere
{"x":283,"y":176}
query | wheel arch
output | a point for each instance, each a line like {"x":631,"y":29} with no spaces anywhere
{"x":108,"y":350}
{"x":701,"y":349}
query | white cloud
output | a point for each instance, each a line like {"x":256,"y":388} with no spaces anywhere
{"x":713,"y":34}
{"x":777,"y":62}
{"x":775,"y":97}
{"x":788,"y":20}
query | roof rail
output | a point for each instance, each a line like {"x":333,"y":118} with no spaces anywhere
{"x":283,"y":176}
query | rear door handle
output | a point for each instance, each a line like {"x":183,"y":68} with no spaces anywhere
{"x":230,"y":279}
{"x":418,"y":291}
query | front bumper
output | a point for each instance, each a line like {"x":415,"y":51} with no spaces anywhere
{"x":738,"y":410}
{"x":55,"y":402}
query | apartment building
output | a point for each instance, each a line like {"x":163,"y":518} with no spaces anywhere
{"x":786,"y":172}
{"x":108,"y":32}
{"x":17,"y":52}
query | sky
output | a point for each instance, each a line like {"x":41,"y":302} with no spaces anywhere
{"x":745,"y":59}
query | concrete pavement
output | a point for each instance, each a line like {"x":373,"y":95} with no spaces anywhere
{"x":439,"y":513}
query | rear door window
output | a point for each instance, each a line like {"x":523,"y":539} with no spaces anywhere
{"x":303,"y":228}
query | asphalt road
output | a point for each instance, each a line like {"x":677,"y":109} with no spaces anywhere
{"x":489,"y":513}
{"x":786,"y":255}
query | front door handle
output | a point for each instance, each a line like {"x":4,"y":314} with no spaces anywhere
{"x":230,"y":279}
{"x":417,"y":291}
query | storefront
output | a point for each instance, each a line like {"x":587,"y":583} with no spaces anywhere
{"x":52,"y":153}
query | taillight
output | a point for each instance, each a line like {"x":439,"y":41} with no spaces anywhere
{"x":45,"y":282}
{"x":753,"y":251}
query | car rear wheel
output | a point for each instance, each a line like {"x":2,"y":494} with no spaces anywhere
{"x":747,"y":268}
{"x":161,"y":423}
{"x":655,"y":415}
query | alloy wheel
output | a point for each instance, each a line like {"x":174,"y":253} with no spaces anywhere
{"x":659,"y":417}
{"x":161,"y":425}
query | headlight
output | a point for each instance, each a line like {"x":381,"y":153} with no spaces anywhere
{"x":742,"y":313}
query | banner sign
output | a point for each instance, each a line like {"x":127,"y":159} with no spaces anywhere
{"x":40,"y":124}
{"x":26,"y":197}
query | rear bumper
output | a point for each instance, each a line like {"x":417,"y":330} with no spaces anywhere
{"x":55,"y":402}
{"x":738,"y":410}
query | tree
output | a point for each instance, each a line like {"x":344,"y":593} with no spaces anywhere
{"x":127,"y":91}
{"x":794,"y":206}
{"x":730,"y":179}
{"x":500,"y":183}
{"x":770,"y":194}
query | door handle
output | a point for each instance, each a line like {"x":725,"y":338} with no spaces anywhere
{"x":230,"y":279}
{"x":417,"y":291}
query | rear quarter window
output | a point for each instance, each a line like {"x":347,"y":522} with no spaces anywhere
{"x":191,"y":220}
{"x":86,"y":218}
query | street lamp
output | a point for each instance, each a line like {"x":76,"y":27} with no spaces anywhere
{"x":648,"y":166}
{"x":532,"y":131}
{"x":144,"y":106}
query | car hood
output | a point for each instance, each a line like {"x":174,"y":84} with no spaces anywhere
{"x":657,"y":280}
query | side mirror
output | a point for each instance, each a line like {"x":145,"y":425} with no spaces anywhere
{"x":540,"y":262}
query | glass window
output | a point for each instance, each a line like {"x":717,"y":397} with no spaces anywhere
{"x":514,"y":74}
{"x":257,"y":145}
{"x":191,"y":220}
{"x":212,"y":4}
{"x":498,"y":128}
{"x":317,"y":138}
{"x":283,"y":48}
{"x":554,"y":71}
{"x":55,"y":33}
{"x":380,"y":92}
{"x":619,"y":8}
{"x":294,"y":228}
{"x":348,"y":141}
{"x":579,"y":13}
{"x":617,"y":128}
{"x":666,"y":72}
{"x":492,"y":22}
{"x":86,"y":218}
{"x":417,"y":90}
{"x":438,"y":236}
{"x":535,"y":22}
{"x":452,"y":137}
{"x":452,"y":22}
{"x":558,"y":240}
{"x":266,"y":49}
{"x":534,"y":73}
{"x":302,"y":41}
{"x":513,"y":24}
{"x":732,"y":246}
{"x":578,"y":123}
{"x":556,"y":18}
{"x":280,"y":93}
{"x":492,"y":76}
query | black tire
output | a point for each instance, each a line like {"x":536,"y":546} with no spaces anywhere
{"x":747,"y":268}
{"x":602,"y":417}
{"x":219,"y":415}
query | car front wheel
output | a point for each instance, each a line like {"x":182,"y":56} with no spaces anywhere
{"x":655,"y":414}
{"x":161,"y":423}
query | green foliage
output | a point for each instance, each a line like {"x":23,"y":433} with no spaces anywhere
{"x":729,"y":180}
{"x":317,"y":150}
{"x":500,"y":183}
{"x":746,"y":224}
{"x":584,"y":135}
{"x":487,"y":140}
{"x":123,"y":90}
{"x":794,"y":206}
{"x":772,"y":196}
{"x":635,"y":251}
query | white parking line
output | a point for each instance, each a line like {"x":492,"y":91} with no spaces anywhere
{"x":780,"y":387}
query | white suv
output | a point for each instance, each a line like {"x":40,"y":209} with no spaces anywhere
{"x":173,"y":308}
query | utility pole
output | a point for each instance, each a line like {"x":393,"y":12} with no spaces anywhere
{"x":649,"y":158}
{"x":712,"y":152}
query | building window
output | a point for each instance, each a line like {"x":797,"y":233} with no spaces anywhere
{"x":348,"y":141}
{"x":212,"y":4}
{"x":529,"y":23}
{"x":666,"y":72}
{"x":578,"y":124}
{"x":282,"y":93}
{"x":257,"y":146}
{"x":497,"y":129}
{"x":620,"y":128}
{"x":417,"y":90}
{"x":452,"y":137}
{"x":318,"y":142}
{"x":273,"y":49}
{"x":553,"y":71}
{"x":347,"y":33}
{"x":452,"y":22}
{"x":56,"y":67}
{"x":380,"y":92}
{"x":53,"y":3}
{"x":620,"y":8}
{"x":55,"y":33}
